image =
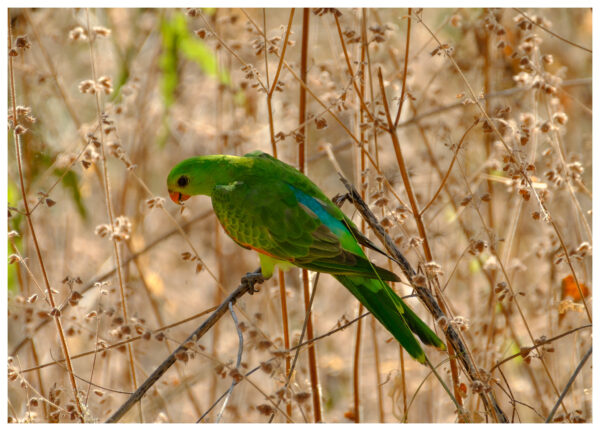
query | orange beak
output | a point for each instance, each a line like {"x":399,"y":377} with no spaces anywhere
{"x":177,"y":197}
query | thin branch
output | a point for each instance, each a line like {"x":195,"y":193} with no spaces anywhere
{"x":246,"y":286}
{"x":108,"y":201}
{"x":568,"y":386}
{"x":525,"y":350}
{"x":237,"y":363}
{"x":405,"y":68}
{"x":282,"y":56}
{"x":547,"y":30}
{"x":312,"y":353}
{"x":308,"y":343}
{"x":18,"y":155}
{"x":424,"y":294}
{"x":108,"y":274}
{"x":363,"y":106}
{"x":443,"y":183}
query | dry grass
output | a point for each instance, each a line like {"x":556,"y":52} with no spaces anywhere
{"x":483,"y":180}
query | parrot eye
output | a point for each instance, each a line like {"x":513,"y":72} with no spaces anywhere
{"x":183,"y":181}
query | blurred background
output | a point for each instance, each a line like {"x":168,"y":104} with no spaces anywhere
{"x":109,"y":100}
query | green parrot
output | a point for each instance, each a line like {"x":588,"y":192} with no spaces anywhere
{"x":268,"y":206}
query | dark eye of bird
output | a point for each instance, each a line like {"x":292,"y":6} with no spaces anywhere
{"x":183,"y":181}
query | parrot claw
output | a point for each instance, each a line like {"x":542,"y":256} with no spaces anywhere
{"x":340,"y":198}
{"x":251,"y":279}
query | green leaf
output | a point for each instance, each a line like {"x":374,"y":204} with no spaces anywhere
{"x":179,"y":42}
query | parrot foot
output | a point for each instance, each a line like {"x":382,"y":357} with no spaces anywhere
{"x":340,"y":198}
{"x":251,"y":279}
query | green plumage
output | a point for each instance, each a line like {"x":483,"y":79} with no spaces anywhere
{"x":267,"y":205}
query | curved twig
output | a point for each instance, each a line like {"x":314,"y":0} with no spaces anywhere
{"x":246,"y":286}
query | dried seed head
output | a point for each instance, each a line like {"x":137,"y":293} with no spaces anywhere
{"x":419,"y":280}
{"x":182,"y":356}
{"x":202,"y":33}
{"x":19,"y":130}
{"x":466,"y":200}
{"x":321,"y":123}
{"x":476,"y":246}
{"x":101,"y":31}
{"x":122,"y":228}
{"x":266,"y":367}
{"x":545,"y":127}
{"x":461,"y":323}
{"x":87,"y":86}
{"x":560,"y":118}
{"x":265,"y":409}
{"x":456,"y":20}
{"x":236,"y":375}
{"x":525,"y":194}
{"x":301,"y":397}
{"x":432,"y":269}
{"x":381,"y":202}
{"x":75,"y":298}
{"x":22,"y":43}
{"x":78,"y":33}
{"x":263,"y":344}
{"x":386,"y":222}
{"x":103,"y":230}
{"x":584,"y":249}
{"x":105,"y":84}
{"x":155,"y":202}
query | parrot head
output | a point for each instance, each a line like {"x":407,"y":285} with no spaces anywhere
{"x":197,"y":176}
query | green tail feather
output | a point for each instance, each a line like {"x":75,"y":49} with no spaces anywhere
{"x":393,"y":313}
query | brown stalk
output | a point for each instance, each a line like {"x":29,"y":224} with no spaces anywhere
{"x":312,"y":354}
{"x":363,"y":106}
{"x":356,"y":369}
{"x":283,"y":48}
{"x":109,"y":210}
{"x":362,"y":110}
{"x":281,"y":275}
{"x":18,"y":155}
{"x":452,"y":335}
{"x":419,"y":223}
{"x":545,"y":213}
{"x":333,"y":115}
{"x":364,"y":56}
{"x":406,"y":51}
{"x":492,"y":274}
